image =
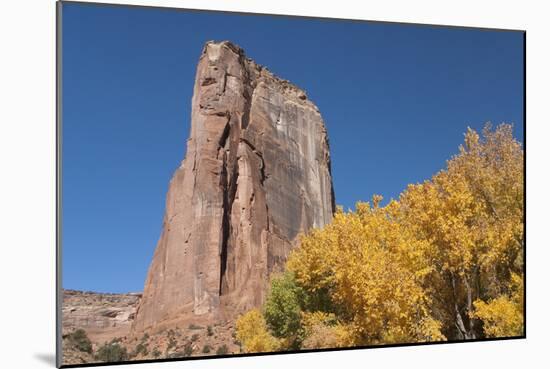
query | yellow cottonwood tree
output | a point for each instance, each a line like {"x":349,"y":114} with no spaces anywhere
{"x":503,"y":316}
{"x":322,"y":330}
{"x":373,"y":269}
{"x":253,"y":334}
{"x":443,"y":262}
{"x":472,"y":216}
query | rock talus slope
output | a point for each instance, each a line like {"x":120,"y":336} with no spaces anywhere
{"x":255,"y":175}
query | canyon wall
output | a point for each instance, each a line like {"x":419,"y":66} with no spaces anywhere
{"x":256,"y":174}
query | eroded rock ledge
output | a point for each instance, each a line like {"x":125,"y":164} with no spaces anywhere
{"x":102,"y":315}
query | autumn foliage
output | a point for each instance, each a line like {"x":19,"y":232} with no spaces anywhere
{"x":443,"y":262}
{"x":253,"y":334}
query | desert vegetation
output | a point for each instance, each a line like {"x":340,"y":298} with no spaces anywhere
{"x":80,"y":341}
{"x":111,"y":352}
{"x":444,"y":261}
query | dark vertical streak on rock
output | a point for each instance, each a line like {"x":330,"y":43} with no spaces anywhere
{"x":247,"y":93}
{"x":230,"y":190}
{"x":228,"y":183}
{"x":225,"y":133}
{"x":224,"y":181}
{"x":329,"y":166}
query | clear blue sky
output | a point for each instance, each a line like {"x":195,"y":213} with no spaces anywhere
{"x":396,"y":100}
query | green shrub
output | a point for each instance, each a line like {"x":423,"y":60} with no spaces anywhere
{"x":80,"y":340}
{"x":194,"y":337}
{"x":111,"y":352}
{"x":194,"y":326}
{"x":206,"y":349}
{"x":222,"y":350}
{"x":141,"y":348}
{"x":187,"y":351}
{"x":155,"y":352}
{"x":282,"y":309}
{"x":209,"y":330}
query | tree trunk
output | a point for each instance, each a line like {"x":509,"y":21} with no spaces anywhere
{"x":471,"y":333}
{"x":463,"y":332}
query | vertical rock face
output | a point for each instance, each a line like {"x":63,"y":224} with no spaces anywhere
{"x":255,"y":175}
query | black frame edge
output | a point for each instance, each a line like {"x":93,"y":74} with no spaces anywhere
{"x":525,"y":184}
{"x":58,"y":194}
{"x":291,"y":352}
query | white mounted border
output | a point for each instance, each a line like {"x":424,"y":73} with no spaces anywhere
{"x":27,"y":191}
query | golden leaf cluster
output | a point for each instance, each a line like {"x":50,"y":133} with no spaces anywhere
{"x":444,"y":261}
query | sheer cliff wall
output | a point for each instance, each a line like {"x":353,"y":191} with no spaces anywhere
{"x":256,"y":174}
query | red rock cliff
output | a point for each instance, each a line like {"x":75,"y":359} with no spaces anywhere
{"x":255,"y":175}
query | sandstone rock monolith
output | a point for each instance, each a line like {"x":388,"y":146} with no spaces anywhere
{"x":256,"y":174}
